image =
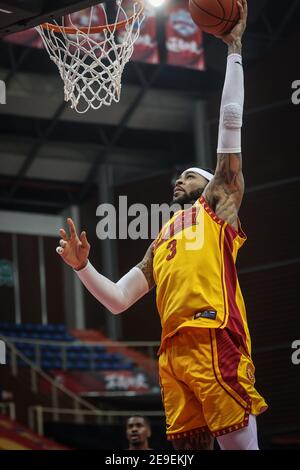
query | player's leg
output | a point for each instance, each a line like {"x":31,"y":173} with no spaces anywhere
{"x":201,"y":441}
{"x":186,"y":426}
{"x":244,"y":439}
{"x":223,"y":380}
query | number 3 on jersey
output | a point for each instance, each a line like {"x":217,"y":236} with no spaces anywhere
{"x":172,"y":247}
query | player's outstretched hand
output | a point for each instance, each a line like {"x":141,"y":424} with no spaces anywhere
{"x":73,"y":250}
{"x":237,"y":32}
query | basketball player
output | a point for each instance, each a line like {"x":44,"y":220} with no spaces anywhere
{"x":205,"y":366}
{"x":138,"y":432}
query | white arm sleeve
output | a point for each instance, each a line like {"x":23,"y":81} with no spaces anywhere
{"x":231,"y":113}
{"x":116,"y":297}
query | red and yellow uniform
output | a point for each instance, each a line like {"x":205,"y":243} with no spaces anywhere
{"x":205,"y":354}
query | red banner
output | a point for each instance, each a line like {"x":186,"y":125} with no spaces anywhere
{"x":184,"y":40}
{"x":145,"y":47}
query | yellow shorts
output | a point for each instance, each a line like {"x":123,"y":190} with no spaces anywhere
{"x":207,"y":382}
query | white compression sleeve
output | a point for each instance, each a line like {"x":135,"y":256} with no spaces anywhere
{"x":116,"y":297}
{"x":243,"y":439}
{"x":231,"y":113}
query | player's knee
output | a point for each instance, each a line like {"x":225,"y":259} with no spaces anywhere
{"x":184,"y":443}
{"x":202,"y":441}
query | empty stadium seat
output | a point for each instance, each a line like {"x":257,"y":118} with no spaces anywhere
{"x":51,"y":332}
{"x":51,"y":356}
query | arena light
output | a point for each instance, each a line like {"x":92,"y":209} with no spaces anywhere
{"x":156,"y":3}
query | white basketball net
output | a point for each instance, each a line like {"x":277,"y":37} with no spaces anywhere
{"x":91,"y":64}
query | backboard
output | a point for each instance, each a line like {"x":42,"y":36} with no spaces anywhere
{"x":18,"y":15}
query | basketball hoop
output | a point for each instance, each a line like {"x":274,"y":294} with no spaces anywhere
{"x":91,"y":58}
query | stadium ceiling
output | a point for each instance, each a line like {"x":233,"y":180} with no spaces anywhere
{"x":46,"y":145}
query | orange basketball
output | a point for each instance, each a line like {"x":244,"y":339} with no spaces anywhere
{"x":216,"y":17}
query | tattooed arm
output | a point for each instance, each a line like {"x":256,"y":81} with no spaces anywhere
{"x":146,"y":266}
{"x":225,"y":192}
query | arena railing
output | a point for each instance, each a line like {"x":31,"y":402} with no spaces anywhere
{"x":148,"y":348}
{"x":47,"y":392}
{"x":36,"y":416}
{"x":56,"y":396}
{"x":8,"y":409}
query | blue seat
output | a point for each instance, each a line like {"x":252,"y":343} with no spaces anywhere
{"x":28,"y":327}
{"x":78,"y":365}
{"x":119,"y":356}
{"x":46,"y":364}
{"x":60,"y":327}
{"x":99,"y":349}
{"x":74,"y":357}
{"x":17,"y":327}
{"x":28,"y":353}
{"x":39,"y":328}
{"x":50,"y":328}
{"x":51,"y":364}
{"x":103,"y":365}
{"x":56,"y":337}
{"x":35,"y":335}
{"x":84,"y":356}
{"x":103,"y":357}
{"x":114,"y":366}
{"x":57,"y":329}
{"x":83,"y":349}
{"x":126,"y":366}
{"x":46,"y":336}
{"x":20,"y":345}
{"x":56,"y":364}
{"x":72,"y":348}
{"x":4,"y":326}
{"x":51,"y":355}
{"x":9,"y":333}
{"x":53,"y":348}
{"x":69,"y":337}
{"x":23,"y":334}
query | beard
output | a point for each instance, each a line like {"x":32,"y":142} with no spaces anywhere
{"x":188,"y":198}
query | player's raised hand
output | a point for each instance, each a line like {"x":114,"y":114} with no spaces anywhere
{"x":237,"y":32}
{"x":73,"y":250}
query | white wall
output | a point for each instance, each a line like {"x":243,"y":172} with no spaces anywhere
{"x":27,"y":223}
